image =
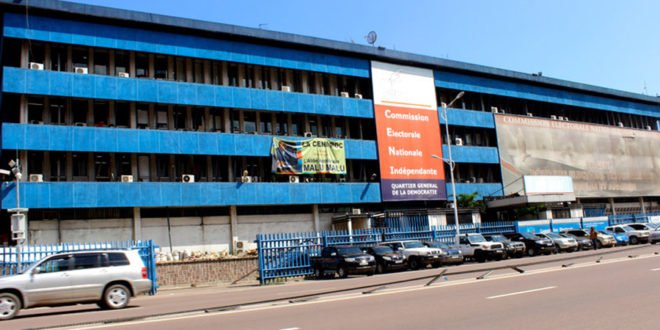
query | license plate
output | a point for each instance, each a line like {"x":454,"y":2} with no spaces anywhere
{"x":398,"y":261}
{"x":363,"y":263}
{"x":435,"y":257}
{"x":454,"y":257}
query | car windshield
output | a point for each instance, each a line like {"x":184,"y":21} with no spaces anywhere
{"x":553,"y":235}
{"x":349,"y":250}
{"x":382,"y":249}
{"x":497,"y":238}
{"x":476,"y":238}
{"x":528,"y":235}
{"x":413,"y":245}
{"x":653,"y":225}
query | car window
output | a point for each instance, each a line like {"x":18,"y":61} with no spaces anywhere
{"x":117,"y":259}
{"x":87,"y":260}
{"x":55,"y":264}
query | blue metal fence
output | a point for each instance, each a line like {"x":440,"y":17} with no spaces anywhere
{"x":14,"y":259}
{"x":631,"y":218}
{"x":288,"y":255}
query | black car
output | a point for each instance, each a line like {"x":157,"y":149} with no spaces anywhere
{"x":342,"y":260}
{"x":533,"y":244}
{"x":386,"y":258}
{"x":450,"y":256}
{"x":513,"y":249}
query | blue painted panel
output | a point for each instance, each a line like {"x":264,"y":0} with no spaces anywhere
{"x":106,"y":139}
{"x":472,"y":154}
{"x":150,"y":194}
{"x":468,"y":83}
{"x":483,"y":189}
{"x":103,"y":35}
{"x":54,"y":83}
{"x":470,"y":118}
{"x":533,"y":226}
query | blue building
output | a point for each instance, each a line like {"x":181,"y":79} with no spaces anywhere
{"x":129,"y":125}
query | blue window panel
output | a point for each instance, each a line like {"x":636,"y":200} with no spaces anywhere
{"x":291,"y":101}
{"x":130,"y":194}
{"x":81,"y":86}
{"x":102,"y":35}
{"x":38,"y":138}
{"x":189,"y":143}
{"x":241,"y":97}
{"x":38,"y":81}
{"x":336,"y":105}
{"x":207,"y":144}
{"x":61,"y":85}
{"x":151,"y":194}
{"x":471,"y":154}
{"x":108,"y":195}
{"x":205,"y":94}
{"x":320,"y":103}
{"x":226,"y":144}
{"x":15,"y":81}
{"x":60,"y":196}
{"x":128,"y":89}
{"x":243,"y":144}
{"x":189,"y":194}
{"x":482,"y":189}
{"x":61,"y":137}
{"x":148,"y":142}
{"x":187,"y":94}
{"x":223,"y":96}
{"x":14,"y":136}
{"x":470,"y":118}
{"x":85,"y":194}
{"x":305,"y":103}
{"x":105,"y":87}
{"x":258,"y":99}
{"x":275,"y":100}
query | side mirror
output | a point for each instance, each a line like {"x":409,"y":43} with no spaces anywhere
{"x":36,"y":270}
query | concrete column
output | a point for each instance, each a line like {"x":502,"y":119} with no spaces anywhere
{"x":233,"y":219}
{"x":170,"y":117}
{"x":112,"y":115}
{"x":152,"y":116}
{"x":131,"y":66}
{"x":189,"y":70}
{"x":111,"y":62}
{"x":318,"y":83}
{"x":274,"y":82}
{"x":612,"y":206}
{"x":48,"y":65}
{"x":69,"y":58}
{"x":305,"y":83}
{"x":242,"y":81}
{"x":207,"y":71}
{"x":230,"y":169}
{"x":90,"y":60}
{"x":23,"y":161}
{"x":132,"y":114}
{"x":137,"y":224}
{"x":289,"y":79}
{"x":90,"y":113}
{"x":152,"y":66}
{"x":576,"y":210}
{"x":227,"y":120}
{"x":113,"y":167}
{"x":25,"y":54}
{"x":170,"y":68}
{"x":642,"y":204}
{"x":225,"y":74}
{"x":134,"y":167}
{"x":153,"y":173}
{"x":23,"y":110}
{"x":316,"y":217}
{"x":68,"y":113}
{"x":69,"y":166}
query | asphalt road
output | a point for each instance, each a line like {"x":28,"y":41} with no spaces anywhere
{"x":618,"y":291}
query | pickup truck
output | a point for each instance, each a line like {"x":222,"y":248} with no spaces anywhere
{"x":476,"y":247}
{"x":342,"y":260}
{"x":417,"y":253}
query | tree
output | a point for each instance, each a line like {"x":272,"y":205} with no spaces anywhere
{"x":470,"y":201}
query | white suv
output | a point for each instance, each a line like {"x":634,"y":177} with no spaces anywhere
{"x":636,"y":236}
{"x":108,"y":278}
{"x":417,"y":253}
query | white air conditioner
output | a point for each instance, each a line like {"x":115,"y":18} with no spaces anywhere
{"x":473,"y":179}
{"x":529,"y":114}
{"x":36,"y":178}
{"x":246,"y":179}
{"x":36,"y":66}
{"x":308,"y":134}
{"x":126,"y":178}
{"x":459,"y":141}
{"x":286,"y":88}
{"x":620,"y":124}
{"x":294,"y":179}
{"x":80,"y":124}
{"x":565,"y":118}
{"x":241,"y":245}
{"x":648,"y":128}
{"x":358,"y":95}
{"x":494,"y":110}
{"x":124,"y":74}
{"x":553,"y":117}
{"x":344,"y":94}
{"x":80,"y":69}
{"x":356,"y":211}
{"x":187,"y":178}
{"x":560,"y":118}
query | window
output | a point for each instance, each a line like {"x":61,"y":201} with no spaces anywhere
{"x":122,"y":116}
{"x":80,"y":57}
{"x":58,"y":56}
{"x":35,"y":110}
{"x":80,"y":165}
{"x":141,"y":66}
{"x":79,"y":110}
{"x":55,"y":264}
{"x":57,"y":166}
{"x":117,"y":259}
{"x":101,"y":112}
{"x":121,"y":62}
{"x":160,"y":67}
{"x":101,"y":62}
{"x":86,"y":261}
{"x":102,"y":167}
{"x":37,"y":52}
{"x":250,"y":121}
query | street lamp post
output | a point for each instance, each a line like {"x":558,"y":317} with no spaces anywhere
{"x":445,"y":106}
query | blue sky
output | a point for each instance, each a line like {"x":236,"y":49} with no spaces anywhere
{"x":614,"y":44}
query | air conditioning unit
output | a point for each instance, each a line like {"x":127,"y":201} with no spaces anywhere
{"x":620,"y":124}
{"x":80,"y":124}
{"x":356,"y":211}
{"x":286,"y":88}
{"x":126,"y":178}
{"x":246,"y":179}
{"x":553,"y":117}
{"x":308,"y":134}
{"x":187,"y":178}
{"x":529,"y":114}
{"x":358,"y":96}
{"x":36,"y":66}
{"x":80,"y":69}
{"x":124,"y":74}
{"x":344,"y":94}
{"x":494,"y":110}
{"x":565,"y":118}
{"x":560,"y":118}
{"x":36,"y":178}
{"x":294,"y":179}
{"x":241,"y":245}
{"x":459,"y":141}
{"x":648,"y":128}
{"x":473,"y":179}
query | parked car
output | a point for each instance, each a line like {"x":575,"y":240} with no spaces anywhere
{"x":513,"y":249}
{"x":476,"y":247}
{"x":417,"y":253}
{"x":620,"y":238}
{"x":451,"y":255}
{"x":108,"y":278}
{"x":605,"y":240}
{"x":584,"y":243}
{"x":534,"y":245}
{"x":636,"y":236}
{"x":386,"y":258}
{"x":342,"y":260}
{"x":655,"y":236}
{"x":582,"y":235}
{"x":562,"y":244}
{"x":643,"y":226}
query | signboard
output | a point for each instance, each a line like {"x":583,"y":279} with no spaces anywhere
{"x":603,"y":161}
{"x":309,"y":156}
{"x":544,"y":185}
{"x":408,"y":133}
{"x":598,"y":223}
{"x":560,"y":224}
{"x":533,"y":226}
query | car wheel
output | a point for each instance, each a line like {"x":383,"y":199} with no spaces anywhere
{"x":380,"y":268}
{"x":531,"y":252}
{"x":115,"y":296}
{"x":634,"y":240}
{"x":436,"y":264}
{"x":413,"y":263}
{"x":653,"y":242}
{"x":341,"y":272}
{"x":479,"y":256}
{"x":9,"y":305}
{"x":599,"y":245}
{"x":318,"y":273}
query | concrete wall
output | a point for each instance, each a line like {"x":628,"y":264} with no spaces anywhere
{"x":54,"y":231}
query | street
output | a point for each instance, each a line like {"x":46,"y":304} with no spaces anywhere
{"x":619,"y":290}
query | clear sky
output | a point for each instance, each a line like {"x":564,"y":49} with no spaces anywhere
{"x":609,"y":43}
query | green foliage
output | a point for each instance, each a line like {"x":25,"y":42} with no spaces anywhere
{"x":470,"y":201}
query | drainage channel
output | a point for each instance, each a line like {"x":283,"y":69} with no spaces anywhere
{"x":368,"y":289}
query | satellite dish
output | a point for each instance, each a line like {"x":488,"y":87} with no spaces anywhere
{"x":371,"y":37}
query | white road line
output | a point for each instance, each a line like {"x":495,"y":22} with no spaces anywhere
{"x":521,"y":292}
{"x":655,"y":269}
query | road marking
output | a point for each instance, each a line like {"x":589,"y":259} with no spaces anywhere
{"x":521,"y":292}
{"x":655,"y":269}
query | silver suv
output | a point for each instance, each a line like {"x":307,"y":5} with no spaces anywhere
{"x":108,"y":278}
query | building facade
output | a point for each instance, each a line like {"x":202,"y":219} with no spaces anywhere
{"x":130,"y":125}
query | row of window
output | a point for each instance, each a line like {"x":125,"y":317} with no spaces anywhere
{"x":61,"y":57}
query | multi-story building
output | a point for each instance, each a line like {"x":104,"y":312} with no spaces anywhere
{"x":131,"y":125}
